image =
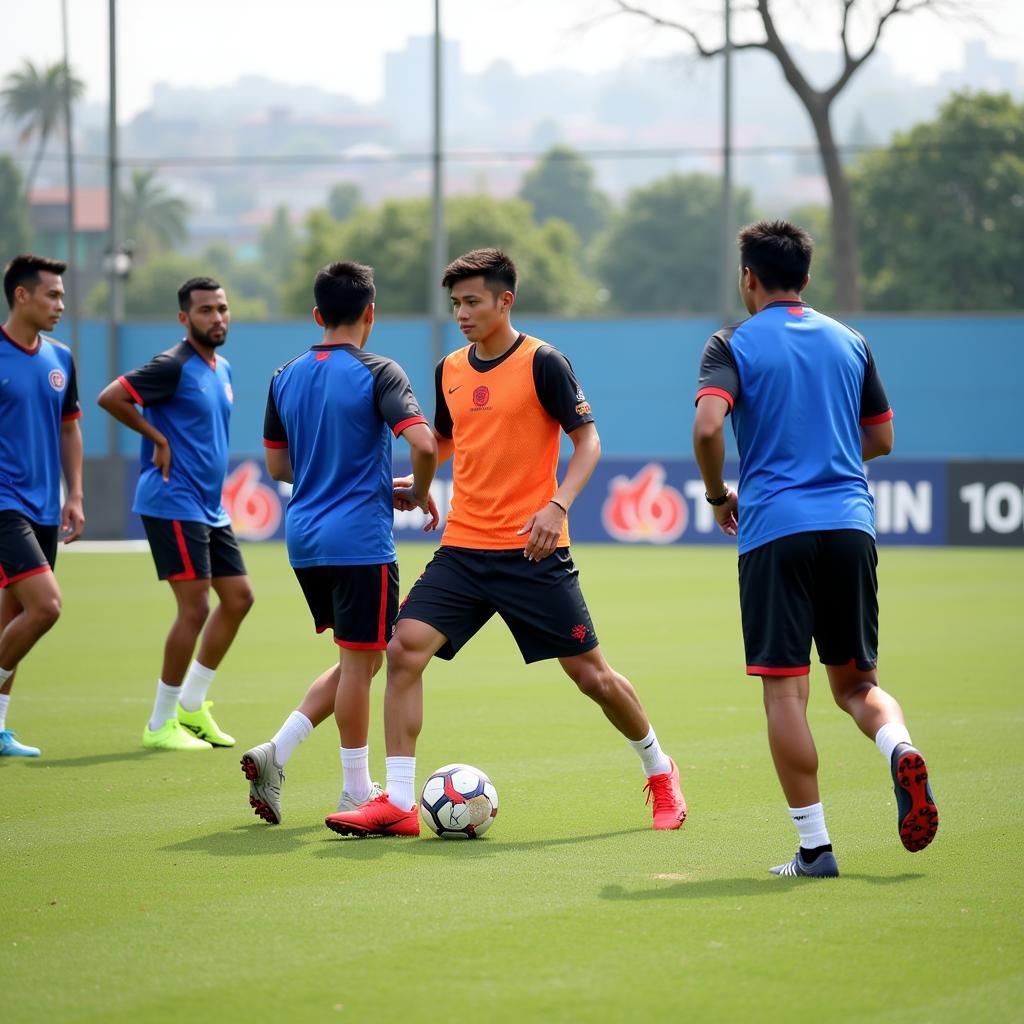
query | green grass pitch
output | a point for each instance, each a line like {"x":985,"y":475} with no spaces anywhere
{"x":139,"y":887}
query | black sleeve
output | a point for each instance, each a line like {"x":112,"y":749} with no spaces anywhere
{"x":71,"y":409}
{"x":155,"y":382}
{"x":274,"y":435}
{"x":442,"y":414}
{"x":395,"y":401}
{"x":874,"y":403}
{"x":558,"y":390}
{"x":719,"y":374}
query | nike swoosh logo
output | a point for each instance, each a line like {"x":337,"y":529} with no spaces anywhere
{"x":451,"y":391}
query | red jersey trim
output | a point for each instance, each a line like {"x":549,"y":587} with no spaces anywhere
{"x":71,"y":416}
{"x":870,"y":421}
{"x":763,"y":670}
{"x":719,"y":392}
{"x":20,"y":347}
{"x":136,"y":397}
{"x":189,"y":572}
{"x":404,"y":424}
{"x":6,"y":581}
{"x":274,"y":444}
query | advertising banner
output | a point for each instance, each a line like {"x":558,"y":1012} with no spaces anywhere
{"x":661,"y":501}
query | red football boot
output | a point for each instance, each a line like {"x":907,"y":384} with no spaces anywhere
{"x":377,"y":817}
{"x":669,"y":802}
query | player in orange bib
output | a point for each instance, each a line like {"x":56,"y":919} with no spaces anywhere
{"x":502,"y":402}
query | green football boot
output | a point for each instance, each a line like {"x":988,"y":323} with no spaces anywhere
{"x":201,"y":723}
{"x":171,"y":736}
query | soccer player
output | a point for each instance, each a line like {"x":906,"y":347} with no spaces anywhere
{"x":39,"y":436}
{"x":502,"y":402}
{"x":808,"y":409}
{"x":330,"y":415}
{"x":186,"y":398}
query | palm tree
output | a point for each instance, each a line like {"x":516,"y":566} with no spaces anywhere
{"x":35,"y":97}
{"x":153,"y":218}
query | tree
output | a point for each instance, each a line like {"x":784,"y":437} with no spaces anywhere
{"x":34,"y":96}
{"x":394,"y":238}
{"x":151,"y":291}
{"x":562,"y":185}
{"x":153,"y":218}
{"x":343,"y":200}
{"x":941,"y":211}
{"x":817,"y":102}
{"x":661,"y":253}
{"x":14,"y":229}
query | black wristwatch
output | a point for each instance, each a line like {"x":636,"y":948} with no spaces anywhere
{"x":717,"y":501}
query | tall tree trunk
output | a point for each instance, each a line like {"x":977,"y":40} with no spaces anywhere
{"x":35,"y":165}
{"x":845,"y":255}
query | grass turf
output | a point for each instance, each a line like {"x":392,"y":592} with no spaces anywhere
{"x":137,"y":886}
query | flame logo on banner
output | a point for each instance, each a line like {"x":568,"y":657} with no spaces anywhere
{"x":255,"y":508}
{"x":644,"y":508}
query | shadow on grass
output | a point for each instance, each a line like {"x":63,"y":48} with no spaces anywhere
{"x":255,"y":840}
{"x":713,"y":888}
{"x":371,"y":847}
{"x":91,"y":760}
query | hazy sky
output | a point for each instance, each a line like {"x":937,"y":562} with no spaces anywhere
{"x":339,"y":44}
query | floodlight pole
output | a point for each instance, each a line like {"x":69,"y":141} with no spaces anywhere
{"x":72,"y":271}
{"x":728,"y":262}
{"x":438,"y":260}
{"x":116,"y":307}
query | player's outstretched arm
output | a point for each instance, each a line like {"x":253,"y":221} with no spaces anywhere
{"x":116,"y":400}
{"x":709,"y":451}
{"x":545,"y":525}
{"x":72,"y":516}
{"x":414,"y":492}
{"x":876,"y":439}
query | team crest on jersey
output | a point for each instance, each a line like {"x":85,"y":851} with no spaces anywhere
{"x":229,"y":393}
{"x":57,"y":380}
{"x":580,"y":397}
{"x":481,"y":396}
{"x":583,"y":409}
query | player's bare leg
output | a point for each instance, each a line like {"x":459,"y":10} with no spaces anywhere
{"x":352,"y":713}
{"x":37,"y":600}
{"x":859,"y":695}
{"x":235,"y":599}
{"x":193,"y":601}
{"x":879,"y":716}
{"x":614,"y":695}
{"x":21,"y":625}
{"x":412,"y":646}
{"x":789,"y":737}
{"x":394,"y":812}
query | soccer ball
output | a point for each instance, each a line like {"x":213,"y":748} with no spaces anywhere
{"x":458,"y":802}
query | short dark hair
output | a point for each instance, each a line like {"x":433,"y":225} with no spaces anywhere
{"x":778,"y":252}
{"x":342,"y":292}
{"x":195,"y":284}
{"x":23,"y":271}
{"x":497,"y":270}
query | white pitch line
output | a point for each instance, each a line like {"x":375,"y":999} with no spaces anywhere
{"x":104,"y":547}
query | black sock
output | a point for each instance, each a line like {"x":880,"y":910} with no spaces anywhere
{"x":810,"y":856}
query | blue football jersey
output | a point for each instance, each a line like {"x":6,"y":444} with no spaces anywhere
{"x":335,"y":408}
{"x":799,"y":384}
{"x":189,"y":401}
{"x":38,"y":390}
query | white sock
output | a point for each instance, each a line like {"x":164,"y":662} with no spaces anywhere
{"x":5,"y":699}
{"x":295,"y":729}
{"x":401,"y":776}
{"x":889,"y":737}
{"x":197,"y":682}
{"x":165,"y":706}
{"x":355,"y":772}
{"x":5,"y":674}
{"x":655,"y":760}
{"x":810,"y":824}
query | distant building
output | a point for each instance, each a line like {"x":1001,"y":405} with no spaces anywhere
{"x":48,"y":216}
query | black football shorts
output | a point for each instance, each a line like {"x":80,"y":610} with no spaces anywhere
{"x":26,"y":547}
{"x":359,"y":602}
{"x":186,"y":550}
